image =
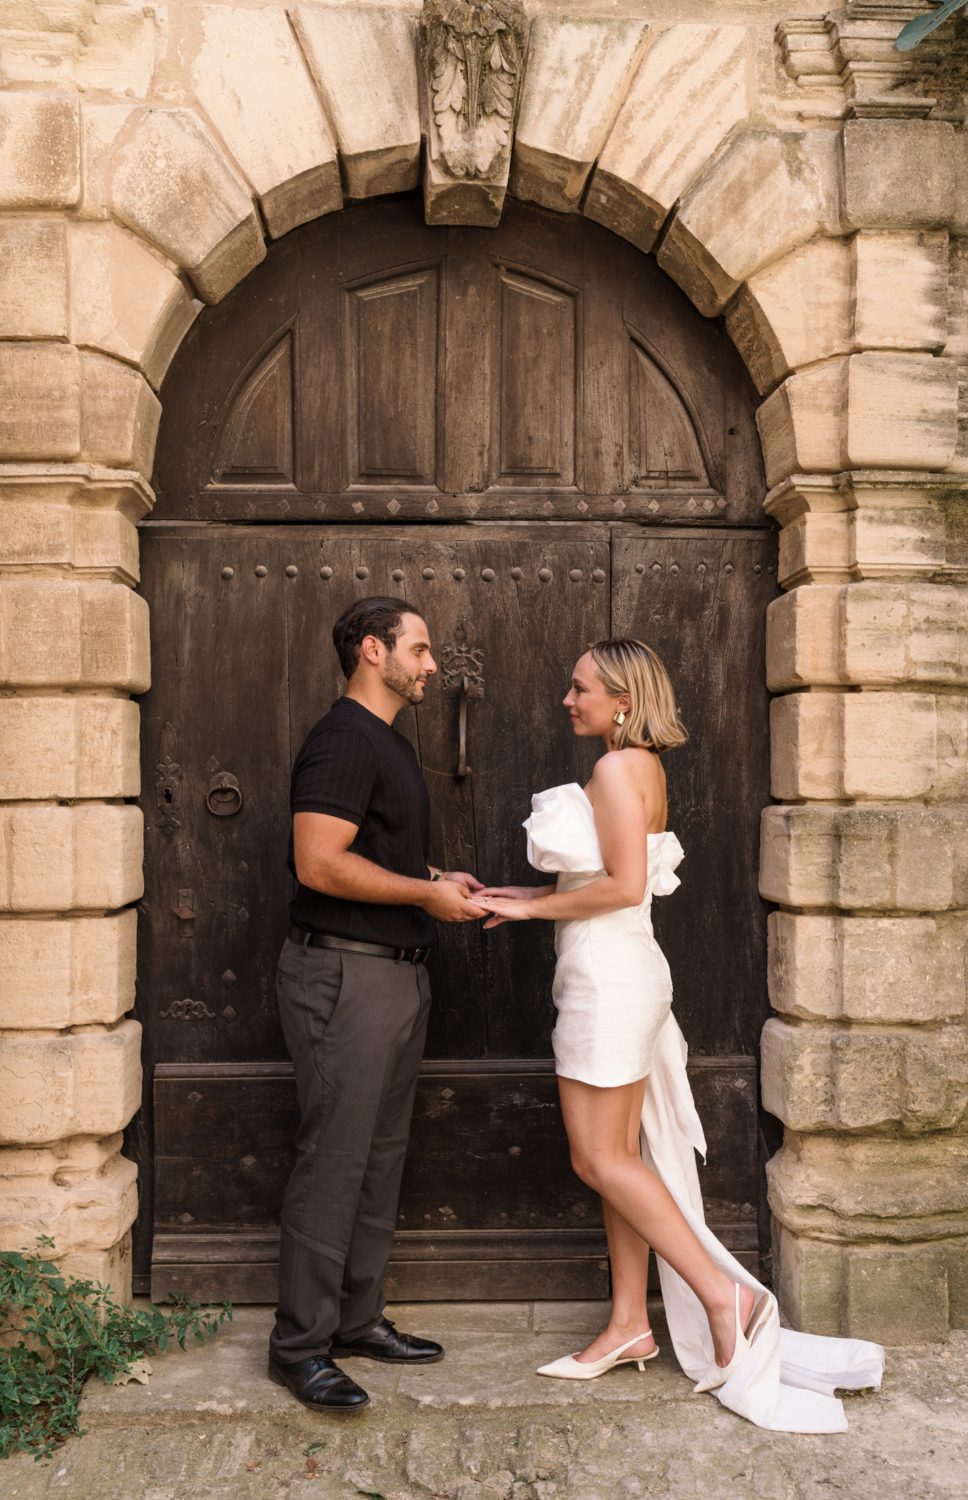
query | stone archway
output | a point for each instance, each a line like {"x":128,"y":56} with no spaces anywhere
{"x":836,"y":254}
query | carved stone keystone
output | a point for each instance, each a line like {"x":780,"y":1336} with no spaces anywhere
{"x":472,"y":57}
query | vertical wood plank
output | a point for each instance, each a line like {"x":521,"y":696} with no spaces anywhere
{"x":606,"y":469}
{"x":700,"y":600}
{"x":469,"y":312}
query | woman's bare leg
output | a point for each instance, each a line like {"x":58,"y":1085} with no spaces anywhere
{"x":597,"y":1122}
{"x":629,"y":1261}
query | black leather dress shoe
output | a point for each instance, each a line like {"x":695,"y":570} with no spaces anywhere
{"x":383,"y":1343}
{"x":320,"y":1384}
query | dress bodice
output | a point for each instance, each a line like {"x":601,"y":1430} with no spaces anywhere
{"x":562,"y":840}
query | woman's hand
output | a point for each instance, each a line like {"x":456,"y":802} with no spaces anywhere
{"x":515,"y":892}
{"x":510,"y":903}
{"x":505,"y":909}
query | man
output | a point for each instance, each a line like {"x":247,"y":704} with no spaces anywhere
{"x":354,"y":998}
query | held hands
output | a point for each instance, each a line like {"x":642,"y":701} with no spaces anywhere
{"x":508,"y":903}
{"x":450,"y":899}
{"x":460,"y":897}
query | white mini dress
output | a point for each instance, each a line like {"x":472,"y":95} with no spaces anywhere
{"x":613,"y":995}
{"x":612,"y":989}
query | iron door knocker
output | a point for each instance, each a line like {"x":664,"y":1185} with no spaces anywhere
{"x":463,"y":678}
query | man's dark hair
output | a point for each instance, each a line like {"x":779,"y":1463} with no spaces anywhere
{"x":377,"y":616}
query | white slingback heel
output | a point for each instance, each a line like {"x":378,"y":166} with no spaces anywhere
{"x":718,"y":1375}
{"x":568,"y":1367}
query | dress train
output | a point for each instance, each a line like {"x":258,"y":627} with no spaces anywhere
{"x":787,"y":1381}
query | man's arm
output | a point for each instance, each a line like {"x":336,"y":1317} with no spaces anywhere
{"x":324,"y":863}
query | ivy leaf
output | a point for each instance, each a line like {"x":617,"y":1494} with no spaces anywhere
{"x":915,"y":31}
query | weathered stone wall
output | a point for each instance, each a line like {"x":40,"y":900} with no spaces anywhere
{"x":796,"y":173}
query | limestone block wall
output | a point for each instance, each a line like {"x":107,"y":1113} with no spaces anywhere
{"x":794,"y":173}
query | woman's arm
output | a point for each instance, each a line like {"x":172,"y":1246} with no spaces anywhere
{"x":514,"y":893}
{"x":622,"y":817}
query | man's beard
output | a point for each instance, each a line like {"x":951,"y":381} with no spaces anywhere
{"x":410,"y":688}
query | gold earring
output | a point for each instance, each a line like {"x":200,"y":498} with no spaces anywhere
{"x":619,"y":718}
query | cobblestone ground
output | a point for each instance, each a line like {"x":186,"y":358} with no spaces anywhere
{"x":481,"y":1426}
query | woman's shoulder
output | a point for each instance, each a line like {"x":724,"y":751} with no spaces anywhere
{"x":628,"y":766}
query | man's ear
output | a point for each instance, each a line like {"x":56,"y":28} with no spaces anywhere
{"x":370,"y":650}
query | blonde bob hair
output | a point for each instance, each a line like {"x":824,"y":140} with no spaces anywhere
{"x":652,"y":722}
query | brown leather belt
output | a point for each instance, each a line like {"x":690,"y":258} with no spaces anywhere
{"x":309,"y":939}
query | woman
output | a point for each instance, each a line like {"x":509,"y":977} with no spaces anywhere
{"x":620,"y":1058}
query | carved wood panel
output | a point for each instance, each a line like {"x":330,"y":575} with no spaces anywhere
{"x":391,"y":376}
{"x":257,"y":440}
{"x":664,"y":447}
{"x":542,"y":369}
{"x":537,"y":384}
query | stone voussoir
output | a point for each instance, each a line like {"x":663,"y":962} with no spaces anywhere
{"x":167,"y":180}
{"x":763,"y":195}
{"x":364,"y":61}
{"x":685,"y":98}
{"x":251,"y":79}
{"x":830,"y":297}
{"x":94,"y":285}
{"x":794,"y":312}
{"x":578,"y":73}
{"x":123,"y":301}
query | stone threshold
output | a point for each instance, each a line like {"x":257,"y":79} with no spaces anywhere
{"x":493,"y":1350}
{"x":482,"y":1426}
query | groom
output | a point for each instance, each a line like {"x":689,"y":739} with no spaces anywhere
{"x":354,"y":997}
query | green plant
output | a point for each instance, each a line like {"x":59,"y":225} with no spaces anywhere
{"x":915,"y":31}
{"x":65,"y":1331}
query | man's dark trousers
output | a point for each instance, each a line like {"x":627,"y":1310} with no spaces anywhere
{"x":355,"y":1027}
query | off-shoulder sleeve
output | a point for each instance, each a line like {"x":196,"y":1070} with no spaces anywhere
{"x":561,"y":833}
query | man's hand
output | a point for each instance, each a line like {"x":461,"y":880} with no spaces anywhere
{"x":462,"y":878}
{"x":449,"y":900}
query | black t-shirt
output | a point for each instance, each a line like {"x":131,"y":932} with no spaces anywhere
{"x":355,"y":766}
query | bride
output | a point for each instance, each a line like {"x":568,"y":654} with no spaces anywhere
{"x":621,"y":1061}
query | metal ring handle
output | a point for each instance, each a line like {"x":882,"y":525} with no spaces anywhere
{"x":224,"y":796}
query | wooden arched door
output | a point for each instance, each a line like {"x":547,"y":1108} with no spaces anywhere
{"x":530,"y":435}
